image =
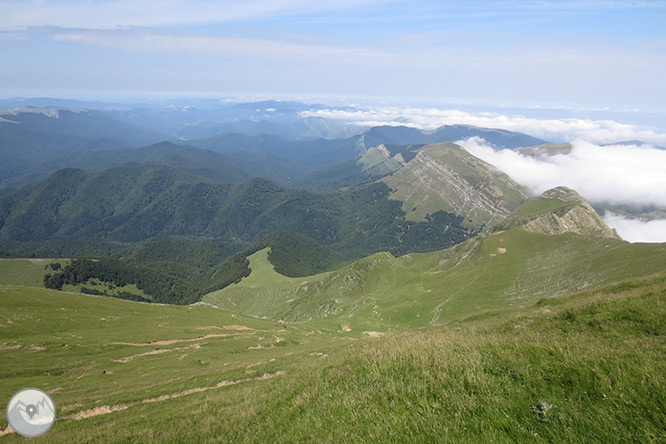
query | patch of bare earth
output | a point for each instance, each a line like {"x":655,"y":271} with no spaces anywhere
{"x":261,"y":347}
{"x":105,"y":409}
{"x":224,"y":327}
{"x":158,"y":351}
{"x":176,"y":341}
{"x":6,"y":431}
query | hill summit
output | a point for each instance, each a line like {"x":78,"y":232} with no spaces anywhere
{"x":557,"y":211}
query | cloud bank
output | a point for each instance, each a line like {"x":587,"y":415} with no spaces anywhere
{"x":616,"y":174}
{"x":595,"y":131}
{"x":636,"y":230}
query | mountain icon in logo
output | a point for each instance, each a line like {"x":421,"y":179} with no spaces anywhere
{"x":31,"y":412}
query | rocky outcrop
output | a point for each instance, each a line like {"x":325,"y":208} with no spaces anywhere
{"x":564,"y":211}
{"x":446,"y":177}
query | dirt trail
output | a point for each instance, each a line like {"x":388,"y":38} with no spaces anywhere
{"x":158,"y":351}
{"x":225,"y":327}
{"x":176,"y":341}
{"x":105,"y":409}
{"x":261,"y":347}
{"x":6,"y":431}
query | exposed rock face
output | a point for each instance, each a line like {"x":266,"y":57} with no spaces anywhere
{"x":446,"y":177}
{"x":444,"y":182}
{"x":574,"y":215}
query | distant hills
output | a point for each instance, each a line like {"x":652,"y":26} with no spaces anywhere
{"x":31,"y":138}
{"x":135,"y":202}
{"x":39,"y":136}
{"x":402,"y":135}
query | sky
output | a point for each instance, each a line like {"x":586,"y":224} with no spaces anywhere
{"x":588,"y":54}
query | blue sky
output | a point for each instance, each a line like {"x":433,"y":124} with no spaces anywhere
{"x":548,"y":53}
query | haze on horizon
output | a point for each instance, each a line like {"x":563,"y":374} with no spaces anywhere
{"x":599,"y":54}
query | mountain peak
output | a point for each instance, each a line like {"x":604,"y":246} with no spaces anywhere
{"x":563,"y":193}
{"x":557,"y":211}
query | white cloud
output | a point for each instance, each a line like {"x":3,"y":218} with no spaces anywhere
{"x":601,"y":174}
{"x":596,"y":131}
{"x":633,"y":230}
{"x":138,"y":40}
{"x":111,"y":14}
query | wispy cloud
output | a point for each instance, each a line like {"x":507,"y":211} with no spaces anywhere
{"x":495,"y":51}
{"x":596,"y":131}
{"x":111,"y":14}
{"x":139,"y":40}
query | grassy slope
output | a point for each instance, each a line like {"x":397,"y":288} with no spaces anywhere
{"x":27,"y":272}
{"x":64,"y":343}
{"x":444,"y":176}
{"x":585,"y":368}
{"x":505,"y":268}
{"x":266,"y":293}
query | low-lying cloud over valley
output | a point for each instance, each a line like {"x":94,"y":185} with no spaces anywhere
{"x":563,"y":129}
{"x":604,"y":175}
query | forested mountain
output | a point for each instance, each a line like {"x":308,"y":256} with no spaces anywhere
{"x":222,"y":167}
{"x":31,"y":137}
{"x":189,"y":215}
{"x":135,"y":202}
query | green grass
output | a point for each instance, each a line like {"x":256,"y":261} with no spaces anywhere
{"x":27,"y":272}
{"x":510,"y":268}
{"x":580,"y":369}
{"x":63,"y":343}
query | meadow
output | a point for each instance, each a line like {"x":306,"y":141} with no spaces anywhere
{"x":582,"y":368}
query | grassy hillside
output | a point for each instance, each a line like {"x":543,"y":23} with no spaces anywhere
{"x":557,"y":211}
{"x":24,"y":272}
{"x":580,"y":369}
{"x":446,"y":177}
{"x":90,"y":351}
{"x":509,"y":268}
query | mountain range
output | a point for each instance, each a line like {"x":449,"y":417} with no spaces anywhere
{"x":310,"y":204}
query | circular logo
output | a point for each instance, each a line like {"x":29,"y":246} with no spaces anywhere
{"x":31,"y":412}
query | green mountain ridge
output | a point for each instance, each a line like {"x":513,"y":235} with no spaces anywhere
{"x":133,"y":202}
{"x":513,"y":267}
{"x":446,"y":176}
